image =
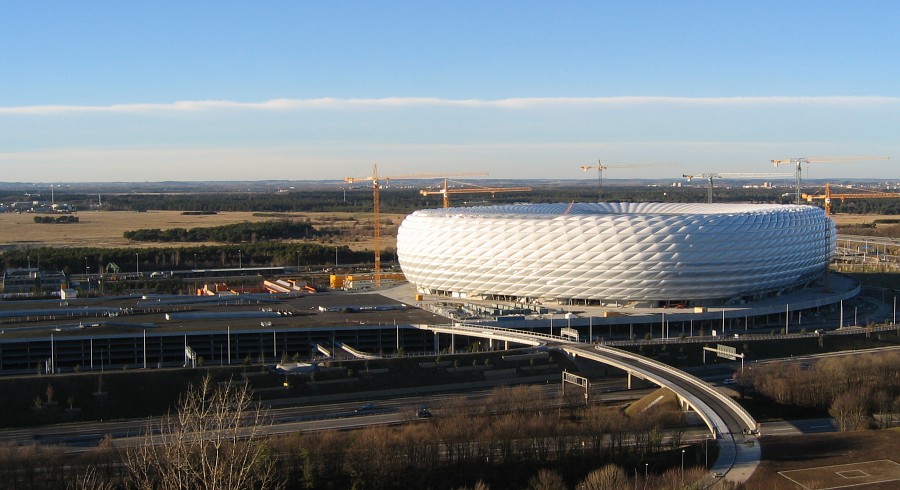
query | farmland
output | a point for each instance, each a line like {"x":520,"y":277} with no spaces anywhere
{"x":105,"y":229}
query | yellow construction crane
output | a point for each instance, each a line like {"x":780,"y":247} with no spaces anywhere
{"x":732,"y":175}
{"x":807,"y":160}
{"x":474,"y":189}
{"x":828,"y":196}
{"x":376,"y":226}
{"x":600,"y":167}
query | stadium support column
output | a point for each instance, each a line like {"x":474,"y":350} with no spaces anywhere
{"x":437,"y":343}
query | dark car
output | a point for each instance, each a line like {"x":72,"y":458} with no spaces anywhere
{"x":368,"y":407}
{"x":423,"y":413}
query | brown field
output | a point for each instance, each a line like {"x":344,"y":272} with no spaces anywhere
{"x":819,"y":455}
{"x":105,"y":229}
{"x":857,"y":219}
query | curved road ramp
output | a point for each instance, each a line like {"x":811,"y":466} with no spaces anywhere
{"x":735,"y":430}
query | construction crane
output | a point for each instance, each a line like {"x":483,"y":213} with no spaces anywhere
{"x":800,"y":161}
{"x":475,"y":189}
{"x":376,"y":226}
{"x":828,"y":196}
{"x":600,"y":167}
{"x":732,"y":175}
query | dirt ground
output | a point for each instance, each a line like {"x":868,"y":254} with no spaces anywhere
{"x":105,"y":229}
{"x":782,"y":456}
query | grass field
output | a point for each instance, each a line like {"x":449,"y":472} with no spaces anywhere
{"x":105,"y":229}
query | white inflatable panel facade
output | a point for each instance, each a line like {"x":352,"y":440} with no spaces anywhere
{"x":615,"y":251}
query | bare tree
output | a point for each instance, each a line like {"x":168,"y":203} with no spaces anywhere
{"x":848,"y":410}
{"x":214,"y":441}
{"x":608,"y":477}
{"x":547,"y":480}
{"x":90,"y":479}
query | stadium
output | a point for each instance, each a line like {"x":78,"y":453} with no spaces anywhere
{"x":651,"y":254}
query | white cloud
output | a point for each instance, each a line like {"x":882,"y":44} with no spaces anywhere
{"x":399,"y":102}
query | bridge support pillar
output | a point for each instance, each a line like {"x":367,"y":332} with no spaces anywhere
{"x":505,"y":345}
{"x":683,"y":403}
{"x":490,"y":344}
{"x":437,"y":343}
{"x":629,"y":380}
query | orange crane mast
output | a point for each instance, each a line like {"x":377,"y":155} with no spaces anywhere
{"x":376,"y":226}
{"x":828,"y":196}
{"x":446,"y":191}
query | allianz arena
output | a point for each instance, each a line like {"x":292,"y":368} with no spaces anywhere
{"x":624,"y":252}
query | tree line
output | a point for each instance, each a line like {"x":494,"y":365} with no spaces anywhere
{"x":233,"y":233}
{"x":407,"y":199}
{"x":854,"y":389}
{"x":66,"y":218}
{"x":516,"y":439}
{"x":259,"y":254}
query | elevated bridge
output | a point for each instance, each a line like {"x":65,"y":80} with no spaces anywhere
{"x":728,"y":422}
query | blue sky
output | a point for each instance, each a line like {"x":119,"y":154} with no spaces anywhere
{"x":203,"y":90}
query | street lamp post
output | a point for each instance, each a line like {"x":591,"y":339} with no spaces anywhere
{"x":240,"y":258}
{"x":682,"y":467}
{"x":137,"y":263}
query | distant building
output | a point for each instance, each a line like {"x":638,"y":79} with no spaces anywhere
{"x":19,"y":281}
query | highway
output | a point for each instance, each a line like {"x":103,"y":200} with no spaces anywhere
{"x":78,"y":437}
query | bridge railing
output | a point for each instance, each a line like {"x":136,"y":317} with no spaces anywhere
{"x":744,"y":416}
{"x":468,"y":327}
